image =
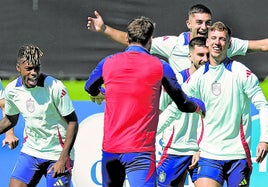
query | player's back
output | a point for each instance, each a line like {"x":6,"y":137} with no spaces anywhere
{"x":132,"y":81}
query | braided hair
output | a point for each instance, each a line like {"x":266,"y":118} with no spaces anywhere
{"x":31,"y":52}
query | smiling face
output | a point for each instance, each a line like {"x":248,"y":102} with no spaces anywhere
{"x":218,"y":42}
{"x":198,"y":24}
{"x":29,"y":72}
{"x":198,"y":56}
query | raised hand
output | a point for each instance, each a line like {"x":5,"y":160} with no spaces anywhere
{"x":96,"y":24}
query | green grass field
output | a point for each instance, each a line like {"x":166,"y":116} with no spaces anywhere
{"x":264,"y":86}
{"x":77,"y":93}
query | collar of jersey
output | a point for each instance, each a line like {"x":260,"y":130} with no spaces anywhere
{"x":186,"y":38}
{"x":136,"y":48}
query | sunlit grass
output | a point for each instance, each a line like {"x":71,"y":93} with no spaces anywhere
{"x":264,"y":86}
{"x":76,"y":90}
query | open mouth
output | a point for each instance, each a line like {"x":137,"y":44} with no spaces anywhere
{"x":202,"y":34}
{"x":31,"y":82}
{"x":216,"y":49}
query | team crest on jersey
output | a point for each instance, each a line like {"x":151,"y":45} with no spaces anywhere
{"x":216,"y":88}
{"x":162,"y":176}
{"x":30,"y":105}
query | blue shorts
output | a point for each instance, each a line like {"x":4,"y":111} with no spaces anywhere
{"x":30,"y":170}
{"x":234,"y":172}
{"x":139,"y":168}
{"x":171,"y":169}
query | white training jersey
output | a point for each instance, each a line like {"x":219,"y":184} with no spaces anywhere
{"x":227,"y":91}
{"x":176,"y":49}
{"x":42,"y":108}
{"x":1,"y":90}
{"x":1,"y":97}
{"x":179,"y":129}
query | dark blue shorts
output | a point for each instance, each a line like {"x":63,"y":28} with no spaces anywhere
{"x":30,"y":170}
{"x":234,"y":172}
{"x":171,"y":169}
{"x":139,"y":168}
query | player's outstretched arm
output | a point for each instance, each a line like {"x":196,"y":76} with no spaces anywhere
{"x":200,"y":109}
{"x":258,"y":45}
{"x":183,"y":102}
{"x":96,"y":24}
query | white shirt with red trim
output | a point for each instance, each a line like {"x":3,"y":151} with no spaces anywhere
{"x":42,"y":108}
